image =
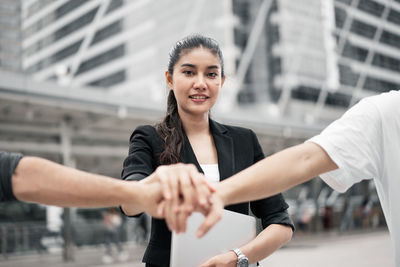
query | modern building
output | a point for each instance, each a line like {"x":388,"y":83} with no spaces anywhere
{"x":10,"y":35}
{"x":115,"y":44}
{"x":313,"y":55}
{"x":289,"y":58}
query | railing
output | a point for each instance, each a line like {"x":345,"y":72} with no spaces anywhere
{"x":21,"y":237}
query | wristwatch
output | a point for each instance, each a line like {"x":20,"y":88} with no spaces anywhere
{"x":243,"y":261}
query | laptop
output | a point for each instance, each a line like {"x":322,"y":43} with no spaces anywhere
{"x":232,"y":231}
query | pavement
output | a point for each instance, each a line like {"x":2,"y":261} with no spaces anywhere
{"x":367,"y":249}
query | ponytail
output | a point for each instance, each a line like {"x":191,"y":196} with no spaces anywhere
{"x":171,"y":132}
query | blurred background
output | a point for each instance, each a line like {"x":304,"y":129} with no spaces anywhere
{"x":76,"y":77}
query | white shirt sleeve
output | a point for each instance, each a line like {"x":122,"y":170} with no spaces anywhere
{"x":353,"y":142}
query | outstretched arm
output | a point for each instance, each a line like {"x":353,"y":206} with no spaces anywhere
{"x":272,"y":175}
{"x":42,"y":181}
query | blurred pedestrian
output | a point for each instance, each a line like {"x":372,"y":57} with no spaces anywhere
{"x":112,"y":224}
{"x":142,"y":228}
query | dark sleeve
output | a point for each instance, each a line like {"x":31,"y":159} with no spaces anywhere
{"x":271,"y":210}
{"x":8,"y":163}
{"x":140,"y":163}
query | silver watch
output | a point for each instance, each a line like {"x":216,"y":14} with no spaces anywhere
{"x":243,"y":261}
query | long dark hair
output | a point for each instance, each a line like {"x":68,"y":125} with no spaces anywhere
{"x":170,"y":129}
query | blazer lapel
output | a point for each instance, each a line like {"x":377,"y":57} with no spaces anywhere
{"x":188,"y":154}
{"x":225,"y":151}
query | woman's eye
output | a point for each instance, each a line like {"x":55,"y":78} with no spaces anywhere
{"x":188,"y":72}
{"x":212,"y":74}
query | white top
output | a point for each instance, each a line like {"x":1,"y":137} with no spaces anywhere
{"x":211,"y":172}
{"x":365,"y":144}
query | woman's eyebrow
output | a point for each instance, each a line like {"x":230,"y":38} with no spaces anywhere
{"x":194,"y":66}
{"x":188,"y":65}
{"x":213,"y":67}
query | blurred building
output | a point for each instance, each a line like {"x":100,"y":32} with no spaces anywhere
{"x":115,"y":44}
{"x":10,"y":35}
{"x":294,"y":57}
{"x":313,"y":55}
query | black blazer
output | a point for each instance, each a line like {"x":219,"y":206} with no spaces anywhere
{"x":237,"y":148}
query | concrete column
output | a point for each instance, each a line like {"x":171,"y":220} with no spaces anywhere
{"x":65,"y":133}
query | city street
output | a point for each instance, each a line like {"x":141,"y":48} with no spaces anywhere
{"x":371,"y":249}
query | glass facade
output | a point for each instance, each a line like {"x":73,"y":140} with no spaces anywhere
{"x":368,"y":34}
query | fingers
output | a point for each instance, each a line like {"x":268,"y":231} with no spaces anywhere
{"x":201,"y":187}
{"x":181,"y":221}
{"x":184,"y":189}
{"x":187,"y":191}
{"x":164,"y":181}
{"x":184,"y":179}
{"x":170,"y":216}
{"x":160,"y":213}
{"x":213,"y":216}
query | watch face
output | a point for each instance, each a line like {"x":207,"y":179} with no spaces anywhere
{"x":243,"y":262}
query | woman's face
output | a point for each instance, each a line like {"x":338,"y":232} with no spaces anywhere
{"x":196,"y":81}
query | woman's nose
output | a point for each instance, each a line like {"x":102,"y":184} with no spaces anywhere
{"x":200,"y":83}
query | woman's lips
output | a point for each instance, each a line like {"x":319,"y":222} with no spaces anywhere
{"x":198,"y":98}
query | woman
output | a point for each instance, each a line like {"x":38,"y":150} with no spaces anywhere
{"x":194,"y":77}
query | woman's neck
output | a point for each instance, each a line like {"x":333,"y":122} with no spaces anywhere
{"x":194,"y":125}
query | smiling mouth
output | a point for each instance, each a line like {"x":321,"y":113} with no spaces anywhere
{"x":198,"y":97}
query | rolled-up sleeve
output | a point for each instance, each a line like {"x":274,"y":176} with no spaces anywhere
{"x":272,"y":210}
{"x":8,"y":163}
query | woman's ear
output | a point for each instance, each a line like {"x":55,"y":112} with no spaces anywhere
{"x":168,"y":80}
{"x":222,"y":81}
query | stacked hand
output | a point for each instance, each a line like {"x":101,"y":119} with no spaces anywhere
{"x":175,"y":191}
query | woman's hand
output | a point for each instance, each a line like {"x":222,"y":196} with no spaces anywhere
{"x":212,"y":214}
{"x":184,"y":190}
{"x":228,"y":259}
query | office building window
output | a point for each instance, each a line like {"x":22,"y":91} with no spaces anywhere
{"x":354,"y":52}
{"x":53,"y":16}
{"x":114,"y":4}
{"x":101,"y":59}
{"x":380,"y":86}
{"x":68,"y":7}
{"x":386,"y":62}
{"x":338,"y":99}
{"x":390,"y":39}
{"x":363,"y":29}
{"x":107,"y":32}
{"x":371,"y":7}
{"x":340,"y":17}
{"x":394,"y":16}
{"x":110,"y":80}
{"x":61,"y":33}
{"x":60,"y":55}
{"x":305,"y":93}
{"x":75,"y":25}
